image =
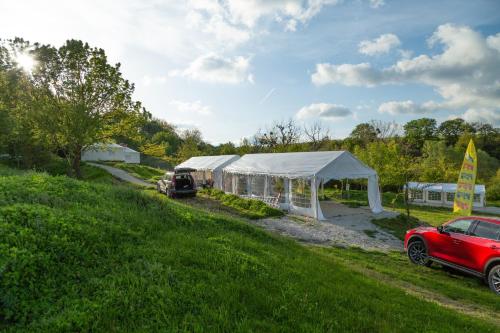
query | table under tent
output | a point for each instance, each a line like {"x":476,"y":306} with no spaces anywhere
{"x":291,"y":181}
{"x":208,"y":168}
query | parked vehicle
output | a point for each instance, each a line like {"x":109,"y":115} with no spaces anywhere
{"x":468,"y":244}
{"x":177,"y":184}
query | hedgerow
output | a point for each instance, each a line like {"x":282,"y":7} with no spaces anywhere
{"x":251,"y":208}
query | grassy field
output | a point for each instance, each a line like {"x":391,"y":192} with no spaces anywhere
{"x":144,"y":172}
{"x":82,"y":256}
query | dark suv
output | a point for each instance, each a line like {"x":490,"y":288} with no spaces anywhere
{"x":469,"y":244}
{"x":177,"y":184}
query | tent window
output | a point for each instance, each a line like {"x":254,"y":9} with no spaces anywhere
{"x":301,"y":193}
{"x":277,"y":188}
{"x":228,"y":182}
{"x":241,"y":185}
{"x":198,"y":176}
{"x":434,"y":196}
{"x":477,"y":197}
{"x":417,"y":194}
{"x":450,"y":196}
{"x":258,"y":185}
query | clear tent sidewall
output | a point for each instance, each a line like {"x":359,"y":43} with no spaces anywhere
{"x":241,"y":184}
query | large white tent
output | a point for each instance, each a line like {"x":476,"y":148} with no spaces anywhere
{"x":208,"y":168}
{"x":293,"y":179}
{"x":111,"y":152}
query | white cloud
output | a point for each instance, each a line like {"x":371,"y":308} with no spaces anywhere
{"x":347,"y":74}
{"x":324,"y":111}
{"x":382,"y":44}
{"x":191,"y":108}
{"x":466,"y":73}
{"x":487,"y":116}
{"x":377,"y":3}
{"x":249,"y":12}
{"x":149,"y":80}
{"x":215,"y":68}
{"x":407,"y":107}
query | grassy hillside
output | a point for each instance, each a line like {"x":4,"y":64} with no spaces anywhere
{"x":144,"y":172}
{"x":81,"y":256}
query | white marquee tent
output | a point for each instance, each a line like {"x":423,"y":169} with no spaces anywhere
{"x":442,"y":194}
{"x":111,"y":152}
{"x":208,"y":168}
{"x":293,"y":179}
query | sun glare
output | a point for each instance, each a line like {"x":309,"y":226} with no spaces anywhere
{"x":25,"y":61}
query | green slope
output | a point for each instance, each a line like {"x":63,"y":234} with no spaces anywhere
{"x":76,"y":256}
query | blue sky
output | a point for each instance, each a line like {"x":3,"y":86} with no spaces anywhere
{"x":230,"y":67}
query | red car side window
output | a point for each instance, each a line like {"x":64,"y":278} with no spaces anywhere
{"x":486,"y":230}
{"x":458,"y":227}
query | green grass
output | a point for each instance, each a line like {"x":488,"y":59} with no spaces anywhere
{"x":81,"y":256}
{"x":250,"y":208}
{"x":144,"y":172}
{"x":398,"y":225}
{"x":396,"y":267}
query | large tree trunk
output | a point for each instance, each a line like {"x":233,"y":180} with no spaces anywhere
{"x":75,"y":164}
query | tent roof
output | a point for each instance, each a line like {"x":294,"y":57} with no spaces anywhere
{"x":442,"y":187}
{"x":325,"y":164}
{"x":103,"y":146}
{"x":208,"y":162}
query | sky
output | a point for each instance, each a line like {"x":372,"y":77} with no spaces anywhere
{"x":232,"y":67}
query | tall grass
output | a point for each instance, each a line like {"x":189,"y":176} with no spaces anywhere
{"x":80,"y":256}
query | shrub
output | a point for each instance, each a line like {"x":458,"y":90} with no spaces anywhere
{"x":251,"y":208}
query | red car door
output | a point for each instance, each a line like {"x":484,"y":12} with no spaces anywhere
{"x":452,"y":242}
{"x":481,"y":245}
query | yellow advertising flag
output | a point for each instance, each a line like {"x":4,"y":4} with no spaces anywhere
{"x":464,"y":196}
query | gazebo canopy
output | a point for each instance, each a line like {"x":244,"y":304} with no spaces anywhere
{"x":321,"y":164}
{"x":211,"y":163}
{"x":315,"y":167}
{"x":442,"y":187}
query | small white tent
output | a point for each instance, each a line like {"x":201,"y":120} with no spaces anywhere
{"x":111,"y":152}
{"x":442,"y":194}
{"x":294,"y":178}
{"x":208,"y":168}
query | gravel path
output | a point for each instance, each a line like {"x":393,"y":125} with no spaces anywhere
{"x":348,"y":227}
{"x":123,"y":175}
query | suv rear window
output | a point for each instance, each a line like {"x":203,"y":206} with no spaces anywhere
{"x":486,"y":230}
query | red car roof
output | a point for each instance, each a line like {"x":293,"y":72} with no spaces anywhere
{"x":491,"y":219}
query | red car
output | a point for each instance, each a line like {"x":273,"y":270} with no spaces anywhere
{"x":469,"y":244}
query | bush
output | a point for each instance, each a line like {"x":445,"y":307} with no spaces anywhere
{"x":251,"y":208}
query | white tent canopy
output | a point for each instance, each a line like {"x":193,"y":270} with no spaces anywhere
{"x":110,"y":152}
{"x":314,"y":167}
{"x":209,"y":164}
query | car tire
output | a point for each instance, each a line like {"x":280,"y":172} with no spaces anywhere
{"x":417,"y":253}
{"x":494,"y":279}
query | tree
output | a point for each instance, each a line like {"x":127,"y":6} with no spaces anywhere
{"x":191,"y":144}
{"x":417,"y":132}
{"x":450,"y":130}
{"x":364,"y":133}
{"x":18,"y":135}
{"x":316,"y":134}
{"x":82,"y":99}
{"x":280,"y":137}
{"x":385,"y":129}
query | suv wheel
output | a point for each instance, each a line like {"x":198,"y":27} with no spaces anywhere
{"x":417,"y":252}
{"x":494,"y":279}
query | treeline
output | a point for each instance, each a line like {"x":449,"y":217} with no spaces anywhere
{"x":72,"y":97}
